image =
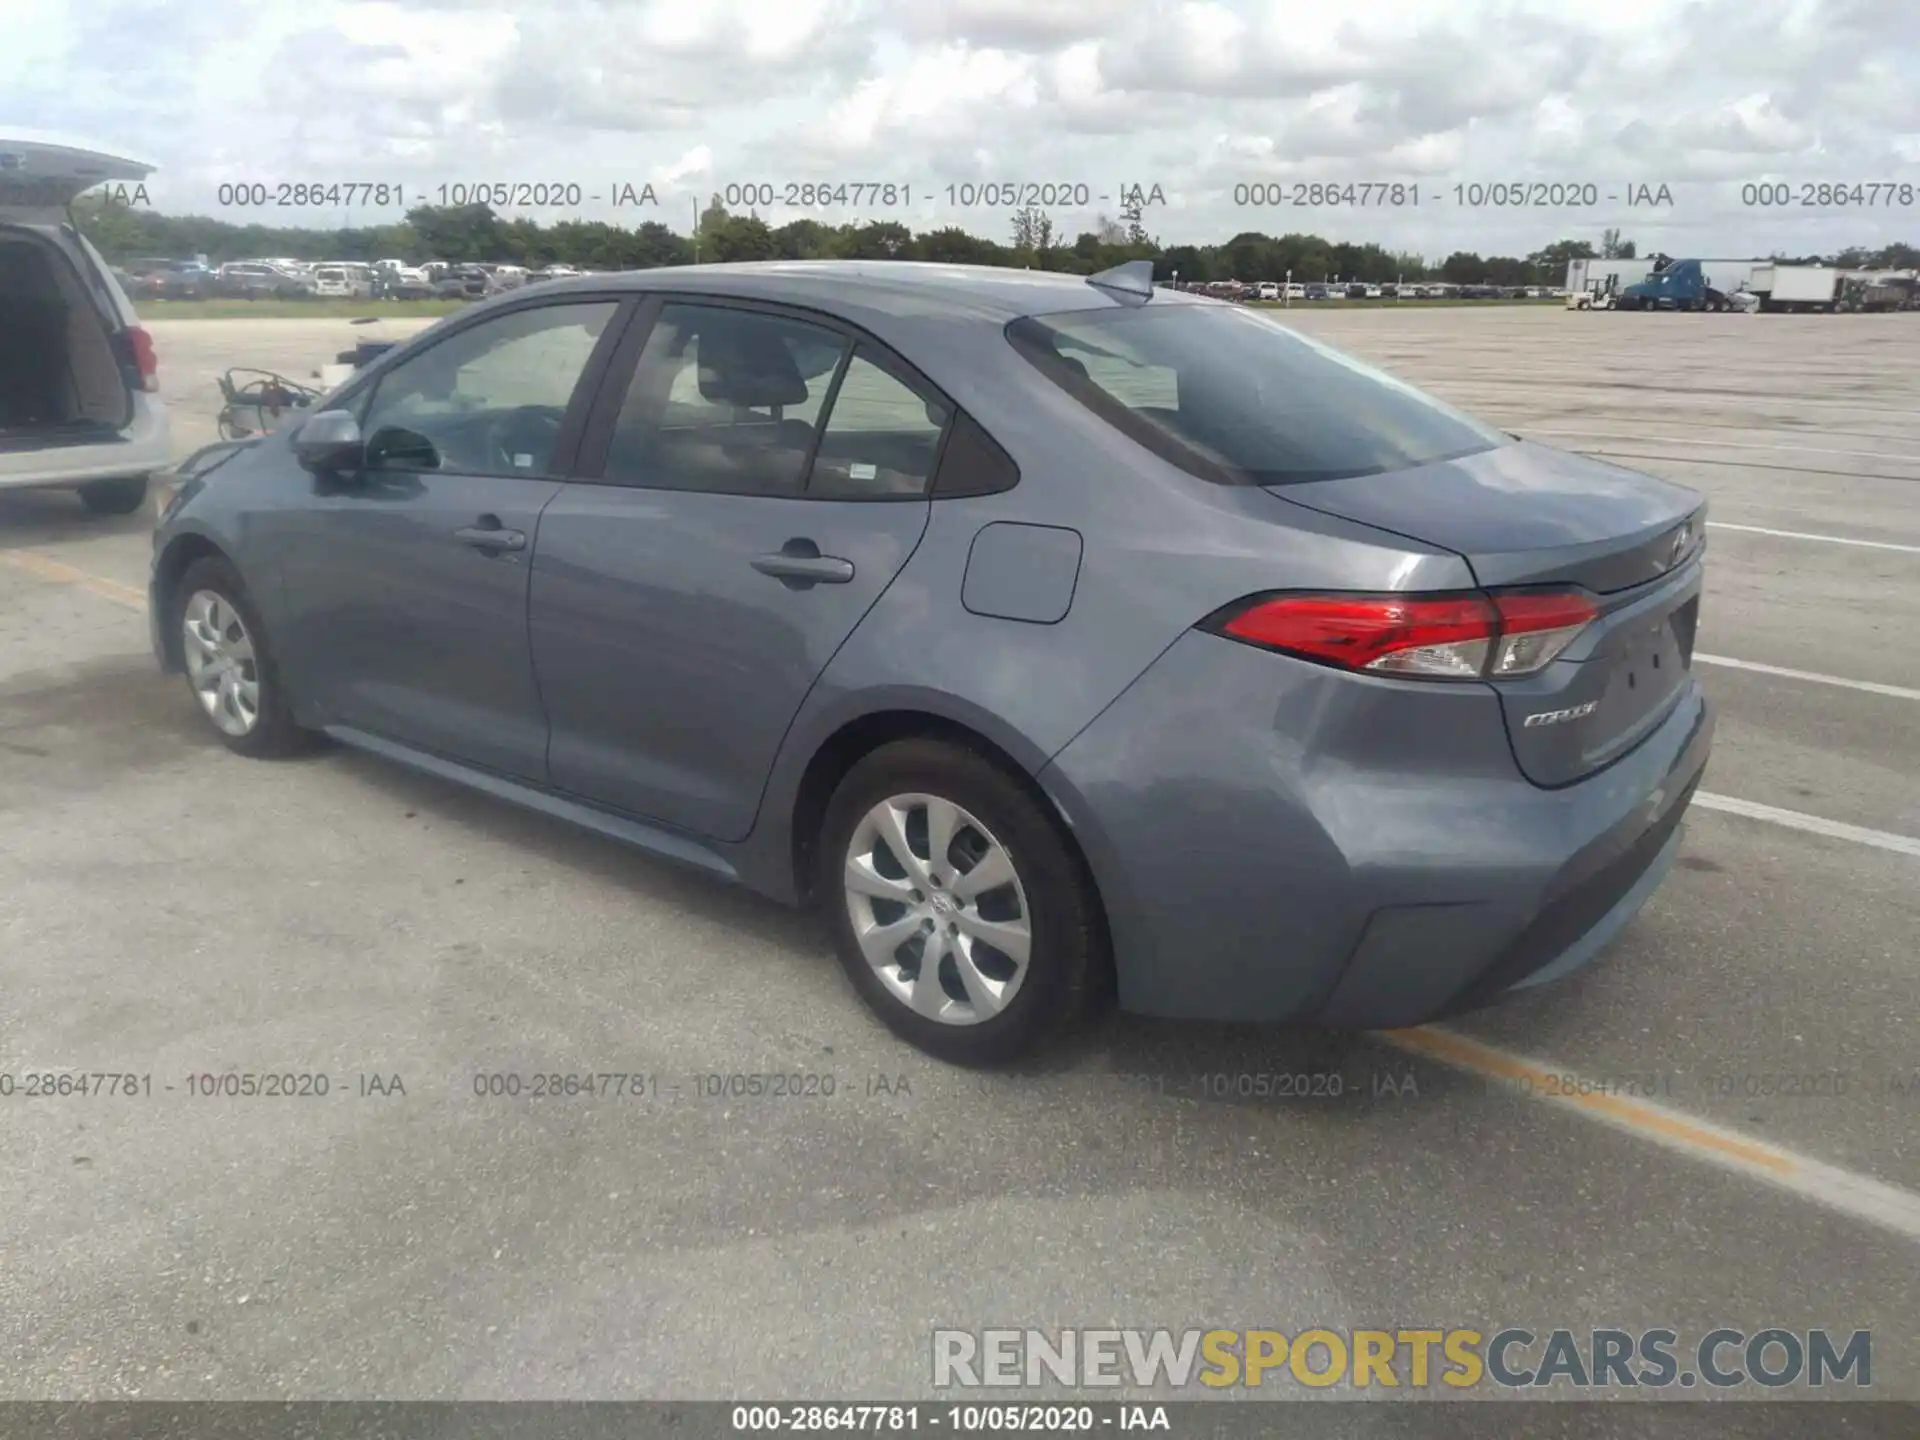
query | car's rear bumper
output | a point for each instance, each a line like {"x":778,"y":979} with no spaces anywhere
{"x":142,"y":447}
{"x":1276,"y":840}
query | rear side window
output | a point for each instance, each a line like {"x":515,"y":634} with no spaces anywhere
{"x":1234,"y":397}
{"x":882,"y":436}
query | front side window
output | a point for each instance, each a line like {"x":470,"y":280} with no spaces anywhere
{"x":1237,"y":398}
{"x":489,"y":400}
{"x":724,"y":400}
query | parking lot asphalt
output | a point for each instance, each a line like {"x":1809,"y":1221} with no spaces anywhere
{"x":1740,"y":1146}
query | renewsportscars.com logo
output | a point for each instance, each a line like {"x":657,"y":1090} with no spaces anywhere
{"x":1410,"y":1359}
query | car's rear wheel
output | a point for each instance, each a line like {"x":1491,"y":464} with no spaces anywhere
{"x":962,"y":914}
{"x":121,"y":495}
{"x":229,"y":663}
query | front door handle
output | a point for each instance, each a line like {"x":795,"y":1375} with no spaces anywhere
{"x":799,"y":563}
{"x":491,"y":538}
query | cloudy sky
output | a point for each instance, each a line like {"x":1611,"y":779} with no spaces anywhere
{"x":1203,"y":99}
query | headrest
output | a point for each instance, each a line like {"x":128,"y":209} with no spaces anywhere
{"x":746,"y":364}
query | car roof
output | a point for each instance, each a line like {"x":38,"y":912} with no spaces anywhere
{"x":925,"y":292}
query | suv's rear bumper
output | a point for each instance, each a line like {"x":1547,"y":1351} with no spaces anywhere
{"x":1276,"y":840}
{"x":142,"y":447}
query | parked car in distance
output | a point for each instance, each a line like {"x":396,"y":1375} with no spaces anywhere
{"x":464,"y":282}
{"x":1360,"y":711}
{"x":341,"y":282}
{"x":1266,"y":290}
{"x":79,"y":382}
{"x":174,"y":280}
{"x":396,"y":280}
{"x":406,"y":282}
{"x":259,"y":280}
{"x":139,"y":267}
{"x":1315,"y":291}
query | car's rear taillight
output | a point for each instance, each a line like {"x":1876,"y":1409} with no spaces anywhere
{"x":1435,"y":637}
{"x":1535,"y":628}
{"x":145,"y":364}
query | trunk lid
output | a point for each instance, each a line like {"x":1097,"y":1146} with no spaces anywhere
{"x":42,"y":174}
{"x":1530,"y":515}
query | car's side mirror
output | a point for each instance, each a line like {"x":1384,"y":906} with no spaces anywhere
{"x":329,"y":442}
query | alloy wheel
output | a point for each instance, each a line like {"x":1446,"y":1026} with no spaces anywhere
{"x":220,"y":660}
{"x":938,"y":909}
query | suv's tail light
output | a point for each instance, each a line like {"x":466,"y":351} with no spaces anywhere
{"x":137,"y":355}
{"x":1440,"y":637}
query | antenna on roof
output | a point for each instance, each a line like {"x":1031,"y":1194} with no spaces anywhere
{"x":1133,"y":278}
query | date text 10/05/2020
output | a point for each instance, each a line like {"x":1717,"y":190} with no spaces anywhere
{"x":1471,"y":195}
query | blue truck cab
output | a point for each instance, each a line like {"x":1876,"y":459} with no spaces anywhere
{"x":1677,"y":285}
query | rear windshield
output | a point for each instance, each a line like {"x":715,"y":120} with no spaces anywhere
{"x":1236,"y":398}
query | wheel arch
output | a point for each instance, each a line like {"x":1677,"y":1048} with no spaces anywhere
{"x":182,"y":551}
{"x":858,"y":736}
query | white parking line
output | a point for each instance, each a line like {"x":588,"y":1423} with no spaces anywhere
{"x":1846,"y":1192}
{"x":1872,"y":687}
{"x":1812,"y":824}
{"x":1804,"y":535}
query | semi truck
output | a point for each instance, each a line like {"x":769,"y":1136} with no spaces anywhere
{"x":1899,"y":290}
{"x":1674,"y":285}
{"x":1658,"y":283}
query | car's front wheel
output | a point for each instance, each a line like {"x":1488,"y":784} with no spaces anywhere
{"x":961,"y":912}
{"x":121,"y":495}
{"x":229,"y":663}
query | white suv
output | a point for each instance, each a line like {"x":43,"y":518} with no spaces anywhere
{"x":341,"y":281}
{"x":79,"y":407}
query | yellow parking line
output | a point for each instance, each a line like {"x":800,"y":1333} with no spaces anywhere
{"x":45,"y":567}
{"x":1532,"y":1077}
{"x":1847,"y":1192}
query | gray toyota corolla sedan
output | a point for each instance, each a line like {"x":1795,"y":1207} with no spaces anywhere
{"x":1057,"y":636}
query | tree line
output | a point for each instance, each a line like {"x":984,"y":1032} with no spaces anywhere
{"x":475,"y":233}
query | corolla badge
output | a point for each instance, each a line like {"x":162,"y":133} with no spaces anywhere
{"x":1682,"y":543}
{"x":1556,"y":717}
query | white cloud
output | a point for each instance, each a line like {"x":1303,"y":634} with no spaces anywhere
{"x":1194,"y":95}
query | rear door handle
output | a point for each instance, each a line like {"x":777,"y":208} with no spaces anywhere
{"x":483,"y":538}
{"x":799,"y":564}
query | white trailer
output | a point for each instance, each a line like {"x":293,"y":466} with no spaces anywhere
{"x":1796,"y":287}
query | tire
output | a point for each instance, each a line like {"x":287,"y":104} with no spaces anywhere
{"x":1028,"y":1007}
{"x":272,"y":733}
{"x":121,"y":495}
